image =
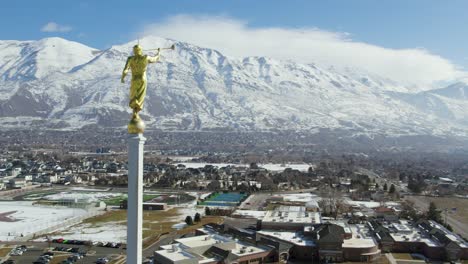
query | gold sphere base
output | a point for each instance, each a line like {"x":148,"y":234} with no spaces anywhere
{"x":136,"y":125}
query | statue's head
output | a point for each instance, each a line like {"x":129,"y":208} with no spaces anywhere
{"x":137,"y":50}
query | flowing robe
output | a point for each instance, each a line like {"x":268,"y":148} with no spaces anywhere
{"x":138,"y":64}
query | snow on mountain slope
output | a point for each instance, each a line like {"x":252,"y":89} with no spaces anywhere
{"x":450,"y":103}
{"x":24,"y":60}
{"x":198,"y":88}
{"x":457,"y":91}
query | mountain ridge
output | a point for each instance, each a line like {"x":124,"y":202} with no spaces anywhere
{"x":195,"y":88}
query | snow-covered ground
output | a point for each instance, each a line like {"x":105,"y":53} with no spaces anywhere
{"x":89,"y":196}
{"x":82,"y":189}
{"x":181,"y":158}
{"x":204,"y":195}
{"x":115,"y":232}
{"x":268,"y":166}
{"x":250,"y":213}
{"x":299,"y":197}
{"x":281,"y":167}
{"x":195,"y":165}
{"x":188,"y":209}
{"x":105,"y":232}
{"x":29,"y":218}
{"x":369,"y":204}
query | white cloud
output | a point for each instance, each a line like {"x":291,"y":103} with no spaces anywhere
{"x":307,"y":45}
{"x":54,"y":27}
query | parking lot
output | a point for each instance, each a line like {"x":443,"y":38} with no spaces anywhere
{"x":93,"y":253}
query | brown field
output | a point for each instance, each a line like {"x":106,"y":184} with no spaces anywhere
{"x":4,"y":251}
{"x":450,"y":202}
{"x":461,"y":204}
{"x":155,"y":223}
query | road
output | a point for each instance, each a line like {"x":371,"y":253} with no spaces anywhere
{"x":423,"y":204}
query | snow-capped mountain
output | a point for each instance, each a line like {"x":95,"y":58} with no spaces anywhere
{"x":62,"y":84}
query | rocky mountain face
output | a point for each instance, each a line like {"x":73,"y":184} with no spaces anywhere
{"x":55,"y":83}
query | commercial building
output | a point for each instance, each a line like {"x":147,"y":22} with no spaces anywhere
{"x":211,"y":249}
{"x":146,"y":206}
{"x":332,"y":241}
{"x":289,"y":218}
{"x":425,"y":237}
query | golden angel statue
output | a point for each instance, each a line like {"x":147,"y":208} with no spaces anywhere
{"x":138,"y":64}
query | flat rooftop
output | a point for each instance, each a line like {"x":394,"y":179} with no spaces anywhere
{"x":180,"y":250}
{"x":249,"y":214}
{"x":296,"y":238}
{"x":361,"y":236}
{"x":359,"y":243}
{"x":200,"y":241}
{"x":404,"y":231}
{"x":243,"y":249}
{"x":296,"y":217}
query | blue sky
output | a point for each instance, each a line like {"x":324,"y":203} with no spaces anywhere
{"x":440,"y":27}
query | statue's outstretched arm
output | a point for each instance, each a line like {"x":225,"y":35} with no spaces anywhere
{"x":125,"y":70}
{"x":155,"y":58}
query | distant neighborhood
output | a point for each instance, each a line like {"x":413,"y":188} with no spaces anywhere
{"x":334,"y":209}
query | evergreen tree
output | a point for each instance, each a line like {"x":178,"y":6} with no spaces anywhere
{"x":433,"y":213}
{"x":189,"y":220}
{"x":197,"y":217}
{"x":377,"y":186}
{"x":385,"y":187}
{"x":392,"y":189}
{"x":449,"y":227}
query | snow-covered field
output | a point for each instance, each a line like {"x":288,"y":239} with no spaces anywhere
{"x":29,"y":218}
{"x":105,"y":232}
{"x":89,"y":196}
{"x":115,"y":232}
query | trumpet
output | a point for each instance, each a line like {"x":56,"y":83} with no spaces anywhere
{"x":172,"y":47}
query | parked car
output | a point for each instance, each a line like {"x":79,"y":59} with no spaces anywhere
{"x":102,"y":261}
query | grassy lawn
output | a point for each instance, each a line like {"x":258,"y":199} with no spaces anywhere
{"x":205,"y":220}
{"x":115,"y":201}
{"x":155,"y":223}
{"x":147,"y":197}
{"x":149,"y":217}
{"x":449,"y":202}
{"x":154,"y":236}
{"x":4,"y":251}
